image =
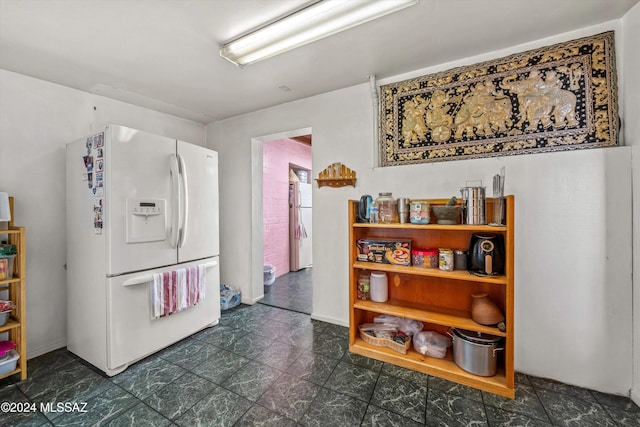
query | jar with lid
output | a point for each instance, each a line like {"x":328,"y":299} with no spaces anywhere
{"x":379,"y":288}
{"x":386,"y":208}
{"x":425,"y":258}
{"x":445,"y":259}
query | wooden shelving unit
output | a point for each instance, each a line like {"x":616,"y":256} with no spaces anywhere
{"x":17,"y":293}
{"x":439,"y":299}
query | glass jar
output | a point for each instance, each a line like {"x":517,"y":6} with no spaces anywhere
{"x":363,"y":286}
{"x":386,"y":208}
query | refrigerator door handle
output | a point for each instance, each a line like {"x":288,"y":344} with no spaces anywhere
{"x":175,"y":202}
{"x":147,"y":278}
{"x":184,"y":202}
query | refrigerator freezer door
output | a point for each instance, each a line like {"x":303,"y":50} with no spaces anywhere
{"x":300,"y":230}
{"x":305,"y":195}
{"x":198,"y":235}
{"x":136,"y":169}
{"x":131,"y":332}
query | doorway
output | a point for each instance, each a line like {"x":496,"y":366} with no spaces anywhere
{"x":287,"y":229}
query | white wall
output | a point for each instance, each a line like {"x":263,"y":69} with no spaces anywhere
{"x":37,"y":119}
{"x":631,"y":31}
{"x":573,"y":213}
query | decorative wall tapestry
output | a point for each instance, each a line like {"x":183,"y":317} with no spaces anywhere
{"x":560,"y":97}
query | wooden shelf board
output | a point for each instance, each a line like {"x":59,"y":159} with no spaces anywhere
{"x":14,"y":230}
{"x":7,"y":282}
{"x":430,"y":314}
{"x":11,"y":324}
{"x":8,"y":374}
{"x":431,"y":272}
{"x":342,"y":182}
{"x":458,"y":227}
{"x":442,"y":368}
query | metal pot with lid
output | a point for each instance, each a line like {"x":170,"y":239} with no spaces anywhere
{"x":476,"y":352}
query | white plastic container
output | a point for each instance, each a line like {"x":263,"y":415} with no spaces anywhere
{"x":8,"y":362}
{"x":4,"y":317}
{"x":379,"y":287}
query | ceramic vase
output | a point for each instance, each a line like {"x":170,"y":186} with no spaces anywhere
{"x":484,"y":311}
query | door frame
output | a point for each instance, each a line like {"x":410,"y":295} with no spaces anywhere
{"x":257,"y":208}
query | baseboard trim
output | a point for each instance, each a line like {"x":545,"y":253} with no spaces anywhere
{"x":251,"y":302}
{"x":635,"y":396}
{"x":39,"y":351}
{"x":329,"y":319}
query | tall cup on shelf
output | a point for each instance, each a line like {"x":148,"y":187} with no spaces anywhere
{"x":403,"y":210}
{"x":498,"y":211}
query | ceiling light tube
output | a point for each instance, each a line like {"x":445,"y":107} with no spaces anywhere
{"x":319,"y":20}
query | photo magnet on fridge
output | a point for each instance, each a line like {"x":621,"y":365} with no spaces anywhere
{"x":97,"y":206}
{"x":88,"y":163}
{"x":89,"y":144}
{"x":98,"y":140}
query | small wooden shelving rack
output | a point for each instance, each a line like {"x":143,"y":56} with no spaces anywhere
{"x":439,"y":299}
{"x":17,"y":294}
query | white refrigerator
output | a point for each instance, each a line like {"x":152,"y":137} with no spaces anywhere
{"x":300,"y":217}
{"x":137,"y":204}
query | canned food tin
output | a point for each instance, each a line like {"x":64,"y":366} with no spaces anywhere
{"x":460,"y":259}
{"x":445,"y":259}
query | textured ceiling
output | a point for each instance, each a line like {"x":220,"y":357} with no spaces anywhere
{"x":164,"y":54}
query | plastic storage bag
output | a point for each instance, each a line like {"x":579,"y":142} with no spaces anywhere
{"x":431,"y":343}
{"x":229,"y":297}
{"x":408,"y":326}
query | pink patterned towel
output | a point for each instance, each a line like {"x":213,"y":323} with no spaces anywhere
{"x":176,"y":290}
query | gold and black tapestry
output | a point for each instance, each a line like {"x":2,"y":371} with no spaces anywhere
{"x":556,"y":98}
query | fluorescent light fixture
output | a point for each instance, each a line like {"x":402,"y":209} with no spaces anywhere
{"x":313,"y":22}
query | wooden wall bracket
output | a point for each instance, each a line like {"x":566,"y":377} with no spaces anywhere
{"x":336,"y":175}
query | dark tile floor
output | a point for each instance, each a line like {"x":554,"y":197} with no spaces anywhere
{"x":292,"y":291}
{"x":264,"y":366}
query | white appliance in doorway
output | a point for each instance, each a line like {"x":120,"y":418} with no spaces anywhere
{"x":137,"y":205}
{"x":300,"y":238}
